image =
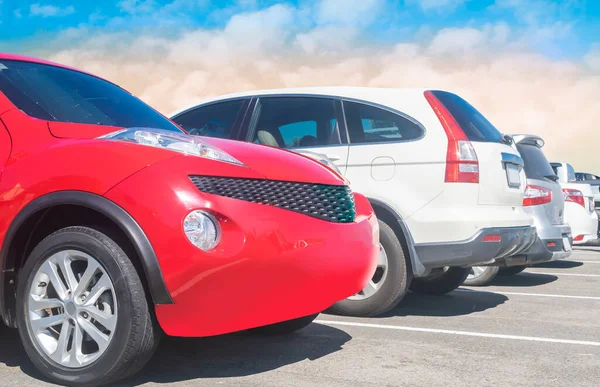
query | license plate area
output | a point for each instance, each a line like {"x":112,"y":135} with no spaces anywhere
{"x":513,"y":175}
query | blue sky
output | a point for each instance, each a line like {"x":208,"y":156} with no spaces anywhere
{"x":567,"y":28}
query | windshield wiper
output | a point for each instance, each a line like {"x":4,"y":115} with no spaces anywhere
{"x":552,"y":177}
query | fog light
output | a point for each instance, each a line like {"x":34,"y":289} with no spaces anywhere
{"x":202,"y":229}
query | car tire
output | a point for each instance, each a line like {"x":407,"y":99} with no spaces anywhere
{"x":512,"y":270}
{"x":112,"y":301}
{"x":393,"y":288}
{"x":481,"y":275}
{"x":440,"y":282}
{"x":285,"y":327}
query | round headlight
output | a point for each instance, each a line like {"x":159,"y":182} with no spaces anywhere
{"x":202,"y":229}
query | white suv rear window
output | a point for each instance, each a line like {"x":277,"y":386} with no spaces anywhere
{"x":471,"y":121}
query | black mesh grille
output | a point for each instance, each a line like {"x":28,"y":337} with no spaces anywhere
{"x":334,"y":203}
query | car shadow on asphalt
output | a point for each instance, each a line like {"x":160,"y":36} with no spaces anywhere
{"x":458,"y":303}
{"x":234,"y":355}
{"x":561,"y":264}
{"x":242,"y":354}
{"x":523,"y":279}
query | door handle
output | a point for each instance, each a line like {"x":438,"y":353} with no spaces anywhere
{"x":332,"y":157}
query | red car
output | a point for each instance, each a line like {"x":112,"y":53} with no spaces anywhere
{"x":116,"y":225}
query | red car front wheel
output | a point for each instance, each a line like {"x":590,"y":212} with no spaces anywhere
{"x":82,"y":312}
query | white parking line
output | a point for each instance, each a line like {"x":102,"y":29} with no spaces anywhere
{"x":586,"y":261}
{"x":460,"y":333}
{"x":529,"y":294}
{"x":569,"y":274}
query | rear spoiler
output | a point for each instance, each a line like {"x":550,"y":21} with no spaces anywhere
{"x":530,"y":139}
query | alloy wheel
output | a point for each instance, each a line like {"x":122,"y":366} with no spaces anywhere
{"x":72,"y":309}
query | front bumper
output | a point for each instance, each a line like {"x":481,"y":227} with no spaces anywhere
{"x":477,"y":251}
{"x":272,"y":264}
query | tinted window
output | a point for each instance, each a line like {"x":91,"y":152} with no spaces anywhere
{"x":473,"y":123}
{"x":536,"y":165}
{"x":367,"y":124}
{"x":214,"y":120}
{"x":57,"y":94}
{"x":293,"y":122}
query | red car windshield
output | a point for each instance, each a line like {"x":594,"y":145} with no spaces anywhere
{"x":57,"y":94}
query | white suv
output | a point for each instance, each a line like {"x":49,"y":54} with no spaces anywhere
{"x":444,"y":183}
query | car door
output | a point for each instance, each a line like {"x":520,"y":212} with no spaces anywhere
{"x":300,"y":123}
{"x":389,"y":156}
{"x":216,"y":119}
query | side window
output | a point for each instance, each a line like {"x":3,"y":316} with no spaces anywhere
{"x":295,"y":122}
{"x":368,"y":124}
{"x":570,"y":173}
{"x":215,"y":120}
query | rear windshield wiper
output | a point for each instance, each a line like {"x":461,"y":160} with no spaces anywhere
{"x":552,"y":177}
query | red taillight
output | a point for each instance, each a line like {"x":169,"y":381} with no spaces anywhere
{"x":578,"y":238}
{"x":575,"y":196}
{"x":491,"y":238}
{"x":551,"y":244}
{"x":462,"y":165}
{"x":535,"y":195}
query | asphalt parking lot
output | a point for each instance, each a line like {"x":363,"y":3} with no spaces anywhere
{"x":539,"y":328}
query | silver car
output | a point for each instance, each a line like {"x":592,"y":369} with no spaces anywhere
{"x":545,"y":202}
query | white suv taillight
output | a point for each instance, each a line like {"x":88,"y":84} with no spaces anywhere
{"x":535,"y":195}
{"x":462,"y":165}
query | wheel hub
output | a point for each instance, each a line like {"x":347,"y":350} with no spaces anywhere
{"x":72,"y":309}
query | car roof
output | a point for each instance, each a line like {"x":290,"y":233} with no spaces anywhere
{"x":350,"y":92}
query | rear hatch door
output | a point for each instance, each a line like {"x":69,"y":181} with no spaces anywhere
{"x":501,"y":176}
{"x":539,"y":173}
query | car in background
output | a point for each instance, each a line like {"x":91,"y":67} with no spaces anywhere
{"x":587,"y":177}
{"x":544,"y":201}
{"x":594,"y":181}
{"x":118,"y":227}
{"x":445,"y":184}
{"x":579,"y":204}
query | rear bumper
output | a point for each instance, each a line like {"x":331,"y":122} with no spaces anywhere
{"x":543,"y":250}
{"x":584,"y":224}
{"x":476,"y":251}
{"x":586,"y":238}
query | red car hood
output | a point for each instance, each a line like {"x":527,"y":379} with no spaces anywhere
{"x":272,"y":163}
{"x":277,"y":164}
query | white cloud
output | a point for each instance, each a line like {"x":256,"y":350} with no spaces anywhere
{"x":17,"y":13}
{"x":592,"y":58}
{"x":50,"y":10}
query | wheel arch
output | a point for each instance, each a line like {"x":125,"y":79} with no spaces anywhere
{"x":390,"y":216}
{"x":32,"y":215}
